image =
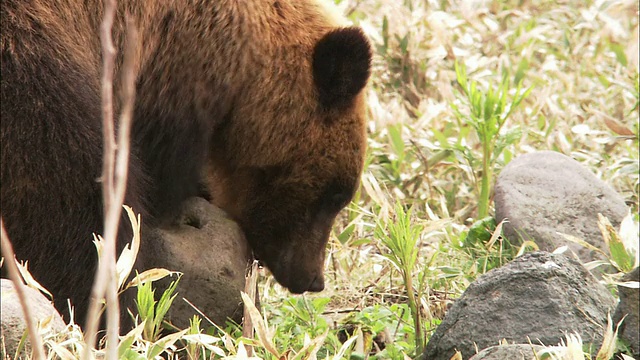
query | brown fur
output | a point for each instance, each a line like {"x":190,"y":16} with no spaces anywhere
{"x":263,"y":98}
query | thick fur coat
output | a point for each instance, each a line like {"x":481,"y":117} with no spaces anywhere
{"x":259,"y":102}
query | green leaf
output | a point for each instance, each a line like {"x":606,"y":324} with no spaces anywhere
{"x":164,"y":304}
{"x":385,"y":33}
{"x":145,"y":302}
{"x":480,"y":232}
{"x":440,"y":137}
{"x":124,"y":348}
{"x":618,"y":49}
{"x":510,"y":137}
{"x":346,"y":233}
{"x":619,"y":254}
{"x":130,"y":354}
{"x":397,"y":143}
{"x":523,"y":66}
{"x":164,"y":343}
{"x":404,"y":43}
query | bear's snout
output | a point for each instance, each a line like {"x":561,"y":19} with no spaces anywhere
{"x":317,"y":284}
{"x":299,"y":266}
{"x":299,"y":285}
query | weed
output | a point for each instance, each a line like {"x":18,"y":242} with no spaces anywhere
{"x":488,"y":112}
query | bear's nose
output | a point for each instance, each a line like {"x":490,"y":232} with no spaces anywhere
{"x":317,"y":284}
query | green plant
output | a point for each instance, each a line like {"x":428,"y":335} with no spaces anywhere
{"x":387,"y":331}
{"x":488,"y":112}
{"x":622,"y":244}
{"x":402,"y":238}
{"x":485,"y":243}
{"x":152,"y":312}
{"x":296,"y":318}
{"x":623,"y":252}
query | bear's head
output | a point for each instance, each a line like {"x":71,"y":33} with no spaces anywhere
{"x":288,"y":157}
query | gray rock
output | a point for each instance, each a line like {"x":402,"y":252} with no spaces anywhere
{"x":538,"y":298}
{"x":510,"y":352}
{"x":211,"y":252}
{"x":547,"y":192}
{"x":628,"y":305}
{"x":12,"y":318}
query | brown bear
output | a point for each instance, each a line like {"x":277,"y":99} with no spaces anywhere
{"x":260,"y":102}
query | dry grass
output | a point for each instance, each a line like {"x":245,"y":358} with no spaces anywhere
{"x":580,"y":57}
{"x":584,"y":103}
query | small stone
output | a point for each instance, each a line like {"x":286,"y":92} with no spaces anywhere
{"x":546,"y":192}
{"x":12,"y":318}
{"x":211,"y":252}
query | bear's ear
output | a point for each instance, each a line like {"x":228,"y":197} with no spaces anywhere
{"x":341,"y":66}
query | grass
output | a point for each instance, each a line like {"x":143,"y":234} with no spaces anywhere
{"x":560,"y":76}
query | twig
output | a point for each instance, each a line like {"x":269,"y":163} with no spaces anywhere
{"x":250,"y":287}
{"x":108,"y":64}
{"x":114,"y":178}
{"x":108,"y":252}
{"x":18,"y":285}
{"x":120,"y":184}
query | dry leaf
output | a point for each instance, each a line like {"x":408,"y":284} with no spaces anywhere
{"x":151,"y":275}
{"x":617,"y":127}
